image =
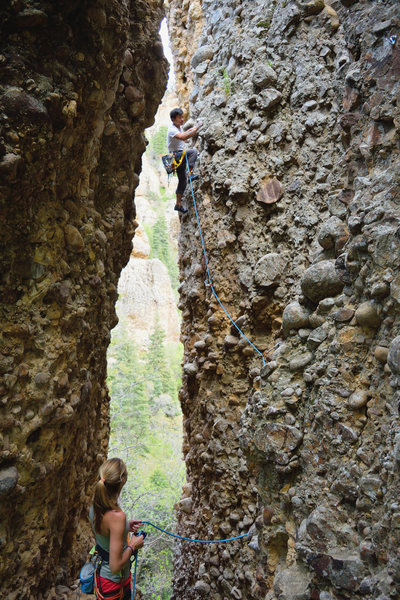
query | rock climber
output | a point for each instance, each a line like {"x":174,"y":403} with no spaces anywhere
{"x":176,"y":141}
{"x":111,"y":528}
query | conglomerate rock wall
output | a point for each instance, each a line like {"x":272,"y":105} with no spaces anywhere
{"x":79,"y":82}
{"x":299,"y":200}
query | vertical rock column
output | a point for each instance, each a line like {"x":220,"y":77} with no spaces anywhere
{"x":298,"y":200}
{"x":79,"y":83}
{"x":324,"y":429}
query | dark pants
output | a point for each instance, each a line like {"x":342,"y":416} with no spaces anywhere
{"x":181,"y":171}
{"x":127,"y":593}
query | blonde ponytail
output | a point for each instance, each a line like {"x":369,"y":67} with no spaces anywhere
{"x":113,"y":475}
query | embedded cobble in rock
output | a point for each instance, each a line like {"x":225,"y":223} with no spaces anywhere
{"x":269,"y":269}
{"x":295,"y":316}
{"x":367,"y":315}
{"x":320,"y":281}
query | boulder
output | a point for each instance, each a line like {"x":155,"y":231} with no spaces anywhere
{"x":8,"y":480}
{"x":270,"y":191}
{"x":202,"y":588}
{"x":202,"y":54}
{"x":295,"y":316}
{"x":394,"y":355}
{"x":293,"y":583}
{"x":331,"y":231}
{"x":73,"y":239}
{"x":358,"y":399}
{"x":269,"y":269}
{"x":367,"y":315}
{"x":264,"y":76}
{"x":321,"y":281}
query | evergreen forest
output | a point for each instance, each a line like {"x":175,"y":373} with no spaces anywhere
{"x":146,"y":420}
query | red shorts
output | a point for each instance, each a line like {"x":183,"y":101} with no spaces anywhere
{"x":108,"y":586}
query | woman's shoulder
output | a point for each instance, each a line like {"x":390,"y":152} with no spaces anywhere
{"x":115,"y":516}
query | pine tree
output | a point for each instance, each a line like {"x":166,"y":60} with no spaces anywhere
{"x":130,"y":406}
{"x":160,"y":240}
{"x":158,"y":143}
{"x":156,"y":365}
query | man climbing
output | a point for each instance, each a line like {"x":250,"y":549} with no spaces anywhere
{"x":176,"y":141}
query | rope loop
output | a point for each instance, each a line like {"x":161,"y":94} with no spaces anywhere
{"x":180,"y":537}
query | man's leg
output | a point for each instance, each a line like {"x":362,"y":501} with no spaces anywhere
{"x":181,"y":172}
{"x":192,"y":155}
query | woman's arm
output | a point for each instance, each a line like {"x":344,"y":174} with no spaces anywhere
{"x":116,"y":521}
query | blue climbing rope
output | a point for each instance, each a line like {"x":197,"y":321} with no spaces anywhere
{"x":210,"y":285}
{"x":134,"y":577}
{"x":209,"y":282}
{"x":180,"y":537}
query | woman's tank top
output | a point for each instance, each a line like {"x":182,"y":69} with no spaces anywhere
{"x":104,"y":542}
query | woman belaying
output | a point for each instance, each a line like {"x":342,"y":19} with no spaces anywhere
{"x":111,"y":529}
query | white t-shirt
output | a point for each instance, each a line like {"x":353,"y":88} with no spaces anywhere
{"x":174,"y":144}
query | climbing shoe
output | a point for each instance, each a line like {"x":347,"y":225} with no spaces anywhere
{"x":194,"y":177}
{"x":180,"y":209}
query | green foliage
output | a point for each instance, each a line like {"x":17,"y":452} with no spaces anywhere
{"x":158,"y":479}
{"x":146,"y":420}
{"x":146,"y":432}
{"x":265,"y":24}
{"x":158,"y":142}
{"x":161,"y":248}
{"x":160,"y":377}
{"x":129,"y":409}
{"x":227,"y":82}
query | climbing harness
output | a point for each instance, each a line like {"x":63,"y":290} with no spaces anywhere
{"x":209,"y":284}
{"x":104,"y":556}
{"x":173,"y":161}
{"x":180,"y":159}
{"x":90,"y":580}
{"x":180,"y":537}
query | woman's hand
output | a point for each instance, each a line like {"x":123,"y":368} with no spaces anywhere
{"x":134,"y":525}
{"x":136,"y":541}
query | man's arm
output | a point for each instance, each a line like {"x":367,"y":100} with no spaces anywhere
{"x":187,"y":134}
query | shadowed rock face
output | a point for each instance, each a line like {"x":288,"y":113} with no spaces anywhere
{"x":305,"y":95}
{"x":79,"y":83}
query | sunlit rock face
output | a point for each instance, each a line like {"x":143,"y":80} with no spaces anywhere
{"x":146,"y":299}
{"x":79,"y":83}
{"x":298,"y":199}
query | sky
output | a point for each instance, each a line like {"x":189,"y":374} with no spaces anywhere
{"x":167,"y":52}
